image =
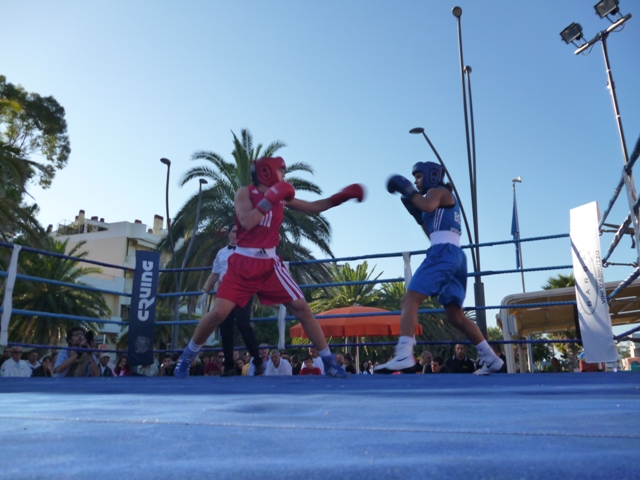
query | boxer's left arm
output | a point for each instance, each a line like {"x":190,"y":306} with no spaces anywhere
{"x":434,"y":198}
{"x":355,"y":191}
{"x":247,"y":215}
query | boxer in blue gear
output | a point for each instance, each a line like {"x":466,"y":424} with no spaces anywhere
{"x":443,"y":273}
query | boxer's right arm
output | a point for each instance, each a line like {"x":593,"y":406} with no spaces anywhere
{"x":412,"y":209}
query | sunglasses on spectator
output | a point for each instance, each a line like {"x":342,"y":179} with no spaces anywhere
{"x":16,"y":351}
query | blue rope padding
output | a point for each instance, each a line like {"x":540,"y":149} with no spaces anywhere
{"x":52,"y":347}
{"x":517,"y":270}
{"x":394,"y":312}
{"x":78,"y":286}
{"x":29,"y":313}
{"x":622,"y":335}
{"x":293,"y":346}
{"x":627,"y":169}
{"x":617,"y":237}
{"x":624,"y":284}
{"x":190,"y":269}
{"x":422,"y":252}
{"x":616,"y":192}
{"x":634,"y":156}
{"x":66,"y":257}
{"x":302,"y":262}
{"x":388,"y":280}
{"x":181,"y":294}
{"x":521,"y":240}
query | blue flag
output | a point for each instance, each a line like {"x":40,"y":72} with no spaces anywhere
{"x":515,"y":231}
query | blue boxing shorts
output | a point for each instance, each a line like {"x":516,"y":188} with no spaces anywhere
{"x":443,"y":274}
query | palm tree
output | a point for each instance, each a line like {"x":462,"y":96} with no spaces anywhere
{"x":435,"y":326}
{"x":561,"y":281}
{"x":332,"y":297}
{"x":43,"y":297}
{"x":217,"y":211}
{"x":569,"y":350}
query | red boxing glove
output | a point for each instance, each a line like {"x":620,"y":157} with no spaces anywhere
{"x":352,"y":191}
{"x":280,"y":191}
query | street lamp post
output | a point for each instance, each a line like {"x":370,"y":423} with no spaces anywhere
{"x":176,"y":300}
{"x":177,"y":277}
{"x":202,"y":182}
{"x":465,"y":75}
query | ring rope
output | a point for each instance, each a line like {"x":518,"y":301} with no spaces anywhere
{"x":67,"y":257}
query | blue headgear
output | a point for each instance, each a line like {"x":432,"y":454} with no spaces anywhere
{"x":431,"y":174}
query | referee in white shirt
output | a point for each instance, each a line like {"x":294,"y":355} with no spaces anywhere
{"x":241,"y":315}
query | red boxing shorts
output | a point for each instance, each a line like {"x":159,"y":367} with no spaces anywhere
{"x":266,"y":277}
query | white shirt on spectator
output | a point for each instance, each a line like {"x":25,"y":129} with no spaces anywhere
{"x":283,"y":369}
{"x":11,"y":368}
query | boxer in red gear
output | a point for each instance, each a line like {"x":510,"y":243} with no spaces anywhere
{"x":255,"y":268}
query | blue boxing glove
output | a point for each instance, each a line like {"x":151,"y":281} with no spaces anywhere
{"x":412,"y":209}
{"x":397,"y":183}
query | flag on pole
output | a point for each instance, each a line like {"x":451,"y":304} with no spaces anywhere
{"x":515,"y":231}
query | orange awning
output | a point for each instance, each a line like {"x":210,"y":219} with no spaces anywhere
{"x":366,"y":325}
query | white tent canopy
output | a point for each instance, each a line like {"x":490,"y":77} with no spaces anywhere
{"x":519,"y":322}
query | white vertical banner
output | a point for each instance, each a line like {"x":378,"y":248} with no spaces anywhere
{"x":7,"y":303}
{"x":591,"y":295}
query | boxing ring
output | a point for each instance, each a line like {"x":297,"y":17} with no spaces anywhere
{"x":378,"y":426}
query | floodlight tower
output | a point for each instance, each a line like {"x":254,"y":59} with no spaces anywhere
{"x":610,"y":10}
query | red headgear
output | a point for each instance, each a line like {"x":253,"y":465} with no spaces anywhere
{"x":264,"y":170}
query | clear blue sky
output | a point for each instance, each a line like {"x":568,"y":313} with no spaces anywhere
{"x":341,"y":83}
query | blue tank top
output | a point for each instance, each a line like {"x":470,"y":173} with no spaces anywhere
{"x":444,"y":219}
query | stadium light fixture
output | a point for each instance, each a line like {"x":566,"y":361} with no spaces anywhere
{"x":604,"y":8}
{"x":572,"y":33}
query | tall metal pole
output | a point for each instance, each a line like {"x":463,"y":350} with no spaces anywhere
{"x":176,"y":300}
{"x":478,"y":286}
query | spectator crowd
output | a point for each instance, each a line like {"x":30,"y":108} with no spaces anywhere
{"x":82,"y":359}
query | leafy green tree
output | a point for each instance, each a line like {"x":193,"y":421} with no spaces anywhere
{"x":570,"y":351}
{"x":43,"y":297}
{"x":37,"y":126}
{"x":16,"y":218}
{"x":217,"y":211}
